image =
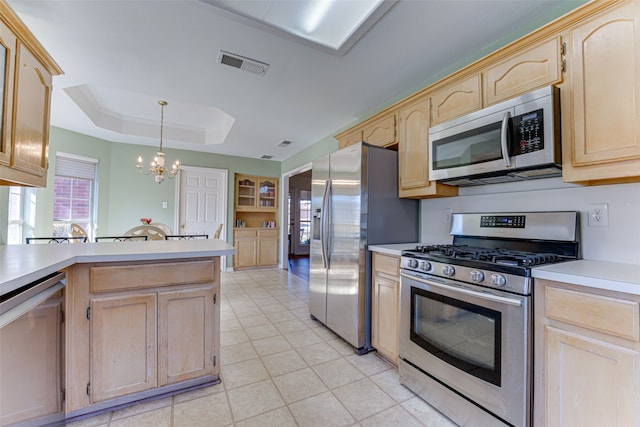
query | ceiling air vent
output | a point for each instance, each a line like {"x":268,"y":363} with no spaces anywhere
{"x":243,"y":63}
{"x":284,"y":143}
{"x":266,"y":156}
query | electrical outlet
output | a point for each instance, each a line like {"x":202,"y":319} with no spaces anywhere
{"x":598,"y":214}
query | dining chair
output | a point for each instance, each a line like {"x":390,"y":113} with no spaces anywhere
{"x":216,"y":235}
{"x":55,"y":239}
{"x":152,"y":232}
{"x":162,"y":226}
{"x":186,"y":236}
{"x":77,"y":231}
{"x":121,"y":238}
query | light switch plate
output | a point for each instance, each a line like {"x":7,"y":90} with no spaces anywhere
{"x":165,"y":205}
{"x":598,"y":214}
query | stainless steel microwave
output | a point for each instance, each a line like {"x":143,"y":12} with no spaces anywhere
{"x":514,"y":140}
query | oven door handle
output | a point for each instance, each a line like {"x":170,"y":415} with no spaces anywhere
{"x":482,"y":295}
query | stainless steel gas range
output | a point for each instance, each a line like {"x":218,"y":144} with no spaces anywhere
{"x":466,"y":313}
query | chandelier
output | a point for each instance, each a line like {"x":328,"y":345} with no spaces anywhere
{"x":157,"y":168}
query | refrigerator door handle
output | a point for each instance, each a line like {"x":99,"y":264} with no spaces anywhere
{"x":326,"y":211}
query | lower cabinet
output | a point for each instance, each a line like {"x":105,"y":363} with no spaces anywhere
{"x":385,"y":305}
{"x":256,"y":247}
{"x":137,"y":329}
{"x":31,"y":365}
{"x":587,"y":353}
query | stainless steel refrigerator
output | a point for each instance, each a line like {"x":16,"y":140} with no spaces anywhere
{"x":354,"y":203}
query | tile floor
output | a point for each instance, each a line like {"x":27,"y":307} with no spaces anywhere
{"x":280,"y":368}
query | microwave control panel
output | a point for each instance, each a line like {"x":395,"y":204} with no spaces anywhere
{"x":529,"y":131}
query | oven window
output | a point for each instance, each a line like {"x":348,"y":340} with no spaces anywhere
{"x":464,"y":335}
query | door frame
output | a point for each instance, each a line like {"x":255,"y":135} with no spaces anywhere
{"x":284,"y":193}
{"x":225,"y":196}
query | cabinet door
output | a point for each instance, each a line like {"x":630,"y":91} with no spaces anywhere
{"x":590,"y":382}
{"x":456,"y":99}
{"x":605,"y":96}
{"x":31,"y":115}
{"x":123,"y":345}
{"x":268,"y":194}
{"x":381,"y":132}
{"x":413,"y":154}
{"x":268,"y":247}
{"x":349,"y":138}
{"x":246,"y":251}
{"x":30,"y":364}
{"x":186,"y":335}
{"x":384,"y":317}
{"x":533,"y":68}
{"x":246,"y":192}
{"x":7,"y":65}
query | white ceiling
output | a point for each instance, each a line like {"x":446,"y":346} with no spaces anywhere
{"x":121,"y":56}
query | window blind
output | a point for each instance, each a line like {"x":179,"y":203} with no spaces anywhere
{"x":73,"y":167}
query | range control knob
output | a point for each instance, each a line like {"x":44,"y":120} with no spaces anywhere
{"x":498,"y":280}
{"x":425,"y":265}
{"x":448,"y":270}
{"x":412,"y":263}
{"x":477,"y":276}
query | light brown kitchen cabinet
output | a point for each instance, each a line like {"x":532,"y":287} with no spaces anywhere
{"x":27,"y":85}
{"x":255,"y":247}
{"x":535,"y":67}
{"x":385,"y":305}
{"x":139,"y":329}
{"x":186,"y":335}
{"x":256,"y":193}
{"x":456,"y":99}
{"x":587,"y":353}
{"x":601,"y":140}
{"x":31,"y":361}
{"x":349,"y":137}
{"x":381,"y":131}
{"x":124,"y":346}
{"x":413,"y":153}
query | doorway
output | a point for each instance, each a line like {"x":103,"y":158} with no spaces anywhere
{"x":297,"y":216}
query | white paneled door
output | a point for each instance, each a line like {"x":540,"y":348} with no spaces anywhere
{"x":202,"y":201}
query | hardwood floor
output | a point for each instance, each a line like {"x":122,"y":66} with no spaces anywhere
{"x":299,"y":265}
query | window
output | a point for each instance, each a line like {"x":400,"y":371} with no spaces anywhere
{"x":74,"y":193}
{"x":22,"y":214}
{"x":305,"y":216}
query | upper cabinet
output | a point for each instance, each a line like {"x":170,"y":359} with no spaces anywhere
{"x":381,"y":131}
{"x":351,"y":136}
{"x":413,"y":153}
{"x":456,"y":99}
{"x":26,"y":101}
{"x":534,"y":67}
{"x":254,"y":193}
{"x":601,"y":140}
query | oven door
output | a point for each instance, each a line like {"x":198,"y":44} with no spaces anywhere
{"x":473,"y":340}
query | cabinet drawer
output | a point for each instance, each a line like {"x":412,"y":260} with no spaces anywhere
{"x":268,"y":233}
{"x":386,"y":264}
{"x":122,"y":277}
{"x":612,"y":316}
{"x":246,"y":233}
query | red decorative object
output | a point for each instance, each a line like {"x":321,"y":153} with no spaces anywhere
{"x":146,"y":221}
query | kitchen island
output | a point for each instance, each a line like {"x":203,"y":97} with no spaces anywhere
{"x":137,"y":320}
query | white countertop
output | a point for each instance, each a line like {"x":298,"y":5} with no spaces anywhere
{"x":23,"y":264}
{"x":594,"y":274}
{"x":393,"y":249}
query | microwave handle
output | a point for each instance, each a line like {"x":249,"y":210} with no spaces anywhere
{"x":504,"y":138}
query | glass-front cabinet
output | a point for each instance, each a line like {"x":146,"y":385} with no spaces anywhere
{"x":255,"y":193}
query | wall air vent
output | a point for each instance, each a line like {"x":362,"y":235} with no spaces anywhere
{"x":266,"y":156}
{"x":243,"y":63}
{"x":284,"y":143}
